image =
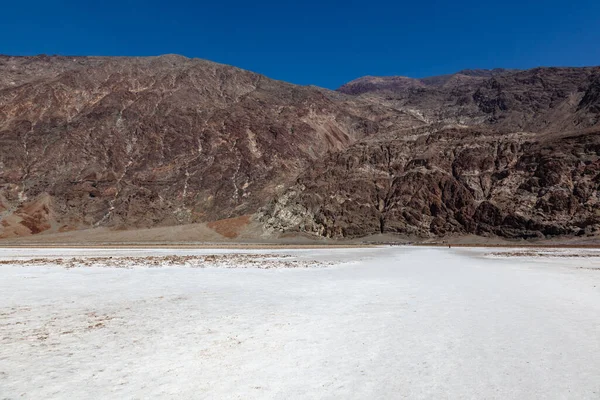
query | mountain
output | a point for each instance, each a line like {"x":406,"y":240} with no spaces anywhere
{"x":456,"y":180}
{"x":141,"y":142}
{"x":507,"y":153}
{"x":402,"y":84}
{"x":541,"y":99}
{"x":124,"y":143}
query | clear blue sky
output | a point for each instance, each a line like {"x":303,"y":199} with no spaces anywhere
{"x":324,"y":43}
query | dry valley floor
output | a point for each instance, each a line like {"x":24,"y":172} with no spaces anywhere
{"x":363,"y":323}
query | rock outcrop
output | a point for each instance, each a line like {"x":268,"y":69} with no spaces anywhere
{"x":450,"y":181}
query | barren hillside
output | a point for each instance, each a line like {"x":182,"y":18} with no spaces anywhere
{"x":127,"y":143}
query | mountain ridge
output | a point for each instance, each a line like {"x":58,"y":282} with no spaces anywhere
{"x":134,"y":142}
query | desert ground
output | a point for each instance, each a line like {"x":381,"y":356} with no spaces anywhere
{"x":276,"y":323}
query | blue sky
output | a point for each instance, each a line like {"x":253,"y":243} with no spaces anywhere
{"x":325,"y":43}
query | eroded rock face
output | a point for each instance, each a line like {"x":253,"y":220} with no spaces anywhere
{"x":591,"y":99}
{"x":143,"y":142}
{"x":450,"y":181}
{"x":137,"y":142}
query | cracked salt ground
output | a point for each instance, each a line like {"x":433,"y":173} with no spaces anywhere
{"x":393,"y":323}
{"x":260,"y":261}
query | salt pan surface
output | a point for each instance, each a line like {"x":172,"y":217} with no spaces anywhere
{"x":362,"y":324}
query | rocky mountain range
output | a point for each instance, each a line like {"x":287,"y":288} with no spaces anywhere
{"x":129,"y":143}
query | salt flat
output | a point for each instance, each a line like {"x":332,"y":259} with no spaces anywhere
{"x":374,"y":323}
